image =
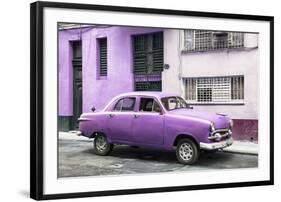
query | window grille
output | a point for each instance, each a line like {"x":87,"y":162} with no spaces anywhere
{"x":202,"y":40}
{"x":148,"y":85}
{"x":214,"y":89}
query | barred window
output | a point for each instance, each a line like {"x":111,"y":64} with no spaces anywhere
{"x":148,"y":86}
{"x":202,"y":40}
{"x":214,"y":89}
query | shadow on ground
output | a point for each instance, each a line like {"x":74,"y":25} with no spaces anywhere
{"x":76,"y":158}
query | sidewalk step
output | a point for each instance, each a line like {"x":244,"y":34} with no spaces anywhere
{"x":242,"y":147}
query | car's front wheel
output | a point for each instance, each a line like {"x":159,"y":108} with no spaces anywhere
{"x":187,"y":152}
{"x":101,"y":145}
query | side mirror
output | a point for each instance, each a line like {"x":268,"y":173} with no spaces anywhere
{"x":93,"y":109}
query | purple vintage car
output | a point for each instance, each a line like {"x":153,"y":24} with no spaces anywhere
{"x":156,"y":119}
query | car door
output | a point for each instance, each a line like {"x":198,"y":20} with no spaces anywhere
{"x":148,"y":123}
{"x":119,"y":120}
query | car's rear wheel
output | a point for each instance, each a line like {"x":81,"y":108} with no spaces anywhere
{"x":187,"y":152}
{"x":101,"y":145}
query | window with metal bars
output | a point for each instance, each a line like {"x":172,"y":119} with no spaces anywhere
{"x":148,"y":86}
{"x":203,"y":40}
{"x":148,"y":53}
{"x":102,"y":56}
{"x":227,"y":89}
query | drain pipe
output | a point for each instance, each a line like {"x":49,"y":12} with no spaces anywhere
{"x":180,"y":63}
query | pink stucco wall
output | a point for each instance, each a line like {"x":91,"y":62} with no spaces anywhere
{"x":217,"y":63}
{"x":211,"y":64}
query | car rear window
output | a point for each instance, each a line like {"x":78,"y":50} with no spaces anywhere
{"x":125,"y":104}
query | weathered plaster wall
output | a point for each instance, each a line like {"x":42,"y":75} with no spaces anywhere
{"x":214,"y":63}
{"x":217,"y":63}
{"x":97,"y":91}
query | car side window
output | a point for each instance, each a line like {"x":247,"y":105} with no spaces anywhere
{"x":149,"y":105}
{"x":118,"y":105}
{"x":125,"y":104}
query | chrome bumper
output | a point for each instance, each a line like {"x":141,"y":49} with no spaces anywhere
{"x":216,"y":145}
{"x":220,"y":133}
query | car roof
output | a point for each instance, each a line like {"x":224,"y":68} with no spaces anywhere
{"x":149,"y":93}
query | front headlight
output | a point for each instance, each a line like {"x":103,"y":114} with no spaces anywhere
{"x":212,"y":126}
{"x":231,"y":123}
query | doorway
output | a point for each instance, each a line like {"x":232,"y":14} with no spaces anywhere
{"x":77,"y":82}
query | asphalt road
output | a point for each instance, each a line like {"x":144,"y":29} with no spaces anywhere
{"x":76,"y":158}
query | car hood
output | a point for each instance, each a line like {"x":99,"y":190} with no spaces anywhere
{"x":220,"y":120}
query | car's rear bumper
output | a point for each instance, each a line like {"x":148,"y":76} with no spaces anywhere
{"x":216,"y":145}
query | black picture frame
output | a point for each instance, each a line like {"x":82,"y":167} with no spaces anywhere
{"x":36,"y":98}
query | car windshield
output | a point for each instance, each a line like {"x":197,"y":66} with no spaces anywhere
{"x":175,"y":102}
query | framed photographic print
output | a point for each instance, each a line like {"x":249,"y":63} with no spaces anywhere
{"x":134,"y":100}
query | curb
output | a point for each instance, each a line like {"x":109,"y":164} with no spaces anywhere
{"x":72,"y":135}
{"x":240,"y":152}
{"x":238,"y":147}
{"x":243,"y":147}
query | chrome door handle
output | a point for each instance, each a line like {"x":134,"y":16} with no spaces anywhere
{"x":111,"y":115}
{"x":136,"y":115}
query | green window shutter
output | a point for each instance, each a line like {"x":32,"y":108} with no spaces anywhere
{"x":140,"y":54}
{"x":103,"y":57}
{"x":148,"y":53}
{"x":158,"y":52}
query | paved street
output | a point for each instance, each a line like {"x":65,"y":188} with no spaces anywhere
{"x":76,"y":158}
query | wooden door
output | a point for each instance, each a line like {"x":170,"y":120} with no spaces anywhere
{"x":77,"y":82}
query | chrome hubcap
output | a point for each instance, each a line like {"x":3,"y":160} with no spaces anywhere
{"x":186,"y":151}
{"x":101,"y":143}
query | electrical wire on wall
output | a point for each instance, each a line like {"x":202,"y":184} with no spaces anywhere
{"x":180,"y":64}
{"x":80,"y":33}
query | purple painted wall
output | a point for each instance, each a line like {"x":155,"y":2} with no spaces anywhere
{"x":97,"y":91}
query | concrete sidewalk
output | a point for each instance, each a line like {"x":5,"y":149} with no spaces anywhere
{"x":241,"y":147}
{"x":72,"y":135}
